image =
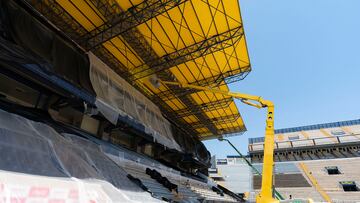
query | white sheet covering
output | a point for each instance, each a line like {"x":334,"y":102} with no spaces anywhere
{"x":19,"y":187}
{"x":38,"y":164}
{"x":117,"y":97}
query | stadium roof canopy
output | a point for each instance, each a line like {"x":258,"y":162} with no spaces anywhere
{"x":199,"y":42}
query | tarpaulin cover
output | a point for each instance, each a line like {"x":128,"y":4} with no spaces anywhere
{"x":23,"y":150}
{"x":29,"y":33}
{"x":111,"y":172}
{"x":107,"y":168}
{"x":127,"y":156}
{"x":19,"y":187}
{"x":35,"y":148}
{"x":116,"y":97}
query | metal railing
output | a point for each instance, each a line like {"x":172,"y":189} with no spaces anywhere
{"x":308,"y":142}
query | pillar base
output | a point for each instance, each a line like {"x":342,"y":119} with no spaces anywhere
{"x":262,"y":199}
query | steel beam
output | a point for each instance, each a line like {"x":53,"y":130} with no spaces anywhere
{"x":140,"y":45}
{"x":228,"y":77}
{"x":113,"y":13}
{"x":217,"y":120}
{"x":110,"y":60}
{"x":124,"y":21}
{"x":58,"y":16}
{"x":209,"y":45}
{"x":188,"y":101}
{"x":232,"y":131}
{"x":210,"y":106}
{"x":231,"y":77}
{"x":109,"y":9}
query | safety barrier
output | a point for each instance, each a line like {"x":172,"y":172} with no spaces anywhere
{"x":308,"y":142}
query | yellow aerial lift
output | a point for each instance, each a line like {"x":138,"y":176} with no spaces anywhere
{"x":266,"y":194}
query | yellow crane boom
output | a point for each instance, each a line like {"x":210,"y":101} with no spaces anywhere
{"x":266,"y":194}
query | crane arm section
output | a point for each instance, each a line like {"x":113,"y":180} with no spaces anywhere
{"x":245,"y":98}
{"x":266,"y":195}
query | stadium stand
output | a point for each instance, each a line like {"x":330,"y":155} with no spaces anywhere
{"x":83,"y":114}
{"x":314,"y":161}
{"x":48,"y":63}
{"x":331,"y":184}
{"x":97,"y":160}
{"x":286,"y":175}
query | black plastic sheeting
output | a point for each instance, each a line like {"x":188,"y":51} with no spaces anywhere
{"x":29,"y":33}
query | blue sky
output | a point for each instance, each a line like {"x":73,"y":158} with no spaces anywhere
{"x":305,"y":56}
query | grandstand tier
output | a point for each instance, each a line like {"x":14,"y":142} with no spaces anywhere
{"x":78,"y":113}
{"x":331,"y":183}
{"x":317,"y":161}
